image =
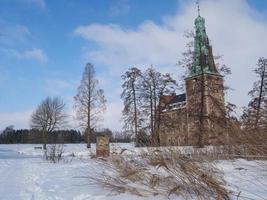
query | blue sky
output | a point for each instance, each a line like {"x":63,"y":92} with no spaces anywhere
{"x":44,"y":45}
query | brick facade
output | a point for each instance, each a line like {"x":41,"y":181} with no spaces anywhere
{"x":181,"y":125}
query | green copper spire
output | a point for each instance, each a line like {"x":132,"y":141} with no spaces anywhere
{"x":203,"y":61}
{"x":198,"y":9}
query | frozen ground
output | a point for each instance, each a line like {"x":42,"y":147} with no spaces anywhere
{"x":25,"y":175}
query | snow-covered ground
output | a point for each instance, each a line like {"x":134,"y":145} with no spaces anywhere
{"x":25,"y":175}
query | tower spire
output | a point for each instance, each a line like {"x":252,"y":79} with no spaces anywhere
{"x":198,"y":7}
{"x":203,"y":60}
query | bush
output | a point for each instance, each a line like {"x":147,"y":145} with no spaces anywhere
{"x":54,"y":152}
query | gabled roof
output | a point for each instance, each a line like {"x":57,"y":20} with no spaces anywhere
{"x":178,"y":98}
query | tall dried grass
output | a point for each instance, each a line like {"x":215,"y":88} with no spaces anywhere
{"x":165,"y":172}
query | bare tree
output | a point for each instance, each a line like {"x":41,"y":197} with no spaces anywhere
{"x":131,"y":99}
{"x":154,"y":85}
{"x":187,"y":59}
{"x":255,"y":115}
{"x":89,"y":102}
{"x":49,"y":116}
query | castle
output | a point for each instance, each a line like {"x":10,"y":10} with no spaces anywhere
{"x":198,"y":116}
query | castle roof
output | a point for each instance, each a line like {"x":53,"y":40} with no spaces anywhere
{"x":178,"y":99}
{"x":173,"y":102}
{"x":203,"y":60}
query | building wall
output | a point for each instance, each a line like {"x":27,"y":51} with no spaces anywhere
{"x":173,"y":128}
{"x":205,"y":101}
{"x":182,"y":126}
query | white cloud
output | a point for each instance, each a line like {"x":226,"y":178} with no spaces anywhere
{"x":14,"y":37}
{"x":39,"y":3}
{"x":236,"y":30}
{"x":121,"y":48}
{"x":29,"y":54}
{"x":33,"y":54}
{"x":13,"y":34}
{"x":56,"y":86}
{"x":120,"y":7}
{"x":19,"y":119}
{"x":22,"y":30}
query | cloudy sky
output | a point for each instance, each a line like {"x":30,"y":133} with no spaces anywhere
{"x":45,"y":44}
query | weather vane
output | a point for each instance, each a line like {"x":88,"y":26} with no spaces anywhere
{"x":198,"y":9}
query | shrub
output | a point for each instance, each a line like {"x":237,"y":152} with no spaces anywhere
{"x":54,"y":152}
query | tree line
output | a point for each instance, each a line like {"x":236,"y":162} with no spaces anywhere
{"x":33,"y":136}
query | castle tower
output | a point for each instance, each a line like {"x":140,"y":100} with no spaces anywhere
{"x":204,"y":93}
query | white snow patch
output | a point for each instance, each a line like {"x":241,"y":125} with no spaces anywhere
{"x":25,"y":175}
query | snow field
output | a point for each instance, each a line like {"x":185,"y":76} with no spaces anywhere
{"x":25,"y":175}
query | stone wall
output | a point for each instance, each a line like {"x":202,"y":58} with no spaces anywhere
{"x":204,"y":104}
{"x":205,"y":97}
{"x":173,"y":128}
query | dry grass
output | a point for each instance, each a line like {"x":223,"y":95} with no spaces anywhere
{"x":187,"y":173}
{"x":164,"y":172}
